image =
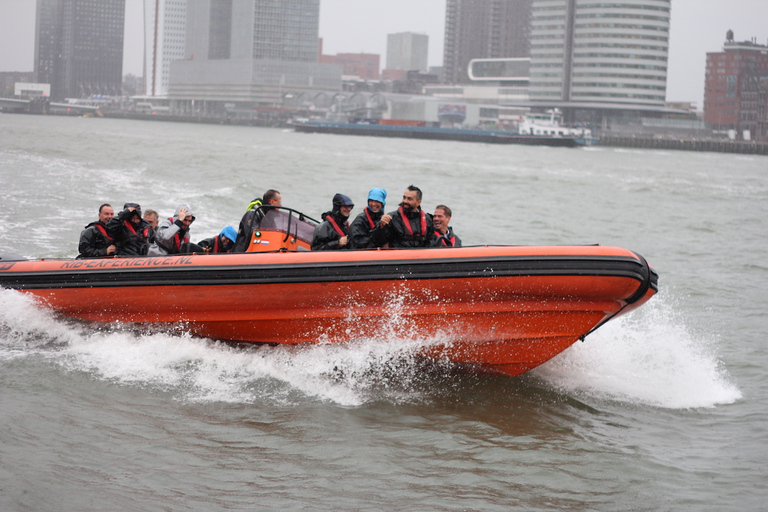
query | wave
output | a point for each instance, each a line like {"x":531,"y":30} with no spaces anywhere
{"x":648,"y":357}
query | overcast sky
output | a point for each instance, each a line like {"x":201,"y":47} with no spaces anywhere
{"x":353,"y":26}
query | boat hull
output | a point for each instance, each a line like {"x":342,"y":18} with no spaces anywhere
{"x":507,"y":309}
{"x":433,"y":133}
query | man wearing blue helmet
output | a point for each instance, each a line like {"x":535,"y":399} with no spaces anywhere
{"x":223,"y":242}
{"x":333,"y":232}
{"x":368,"y":222}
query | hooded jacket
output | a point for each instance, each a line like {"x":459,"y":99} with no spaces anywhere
{"x":366,"y":225}
{"x":171,"y":235}
{"x":130,"y":239}
{"x":94,"y":240}
{"x":362,"y":232}
{"x":216,"y":243}
{"x":327,"y":236}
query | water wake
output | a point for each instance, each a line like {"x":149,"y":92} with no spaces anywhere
{"x":197,"y":369}
{"x":648,"y":358}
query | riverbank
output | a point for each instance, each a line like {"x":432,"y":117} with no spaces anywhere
{"x":624,"y":141}
{"x":676,"y":144}
{"x":265,"y":123}
{"x":717,"y":146}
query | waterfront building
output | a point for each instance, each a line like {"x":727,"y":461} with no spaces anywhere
{"x":246,"y":55}
{"x":486,"y":29}
{"x":9,"y":78}
{"x":407,"y":51}
{"x":79,"y":47}
{"x":361,"y":66}
{"x":735,"y":88}
{"x":253,"y":29}
{"x":587,"y":51}
{"x":165,"y":23}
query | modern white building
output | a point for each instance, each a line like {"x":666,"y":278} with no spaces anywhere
{"x":407,"y":51}
{"x":589,"y":51}
{"x":165,"y":23}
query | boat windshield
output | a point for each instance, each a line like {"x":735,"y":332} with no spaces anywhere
{"x":290,"y":222}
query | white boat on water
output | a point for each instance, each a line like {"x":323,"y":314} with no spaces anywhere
{"x":550,"y":124}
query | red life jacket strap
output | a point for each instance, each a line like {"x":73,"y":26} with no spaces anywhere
{"x":444,"y":240}
{"x":104,"y":232}
{"x":408,"y":222}
{"x":336,"y":226}
{"x":129,"y":225}
{"x":177,"y":238}
{"x":370,"y":220}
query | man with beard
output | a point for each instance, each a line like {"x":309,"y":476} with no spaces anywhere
{"x":444,"y":233}
{"x":96,"y":241}
{"x":333,"y":233}
{"x":132,"y":233}
{"x":408,"y":226}
{"x":367,"y":223}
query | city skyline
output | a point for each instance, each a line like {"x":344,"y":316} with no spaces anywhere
{"x":697,"y":27}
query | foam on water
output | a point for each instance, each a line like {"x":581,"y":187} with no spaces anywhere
{"x":203,"y":370}
{"x":649,"y":357}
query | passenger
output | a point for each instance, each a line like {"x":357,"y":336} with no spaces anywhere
{"x":153,"y":218}
{"x":333,"y":232}
{"x":272,"y":198}
{"x":444,"y":233}
{"x":172,"y":236}
{"x":408,"y":226}
{"x":133,"y":235}
{"x":95,"y":240}
{"x":253,"y":216}
{"x":363,"y":227}
{"x":221,"y":243}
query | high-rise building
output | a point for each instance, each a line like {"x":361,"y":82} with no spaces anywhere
{"x":165,"y":23}
{"x":407,"y":51}
{"x":735,"y":85}
{"x":600,"y":52}
{"x":79,"y":47}
{"x":249,"y":52}
{"x":253,"y":29}
{"x":486,"y":29}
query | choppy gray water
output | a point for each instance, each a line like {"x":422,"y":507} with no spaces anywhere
{"x":662,"y":410}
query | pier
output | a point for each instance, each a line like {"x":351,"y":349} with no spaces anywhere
{"x":718,"y":146}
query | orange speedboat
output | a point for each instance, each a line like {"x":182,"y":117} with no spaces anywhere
{"x":504,"y":309}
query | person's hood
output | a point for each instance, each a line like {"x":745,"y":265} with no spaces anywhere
{"x":378,"y":194}
{"x":136,"y":208}
{"x":229,"y":232}
{"x":179,"y":208}
{"x":340,"y":200}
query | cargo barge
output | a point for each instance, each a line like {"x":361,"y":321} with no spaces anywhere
{"x":420,"y":130}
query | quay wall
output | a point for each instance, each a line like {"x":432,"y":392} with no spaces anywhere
{"x":718,"y":146}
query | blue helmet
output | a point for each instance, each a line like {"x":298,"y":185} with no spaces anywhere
{"x":378,"y":194}
{"x":229,"y":232}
